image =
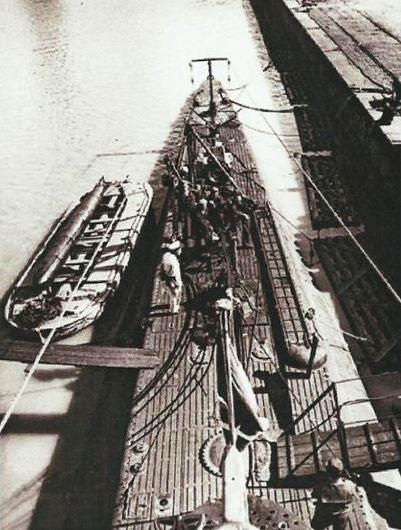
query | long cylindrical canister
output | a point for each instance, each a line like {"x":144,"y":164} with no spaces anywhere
{"x":58,"y":247}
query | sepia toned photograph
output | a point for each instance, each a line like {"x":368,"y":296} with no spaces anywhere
{"x":200,"y":273}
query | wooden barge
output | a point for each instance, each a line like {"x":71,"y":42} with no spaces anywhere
{"x":80,"y":264}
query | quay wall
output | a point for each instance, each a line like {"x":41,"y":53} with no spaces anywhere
{"x":372,"y":154}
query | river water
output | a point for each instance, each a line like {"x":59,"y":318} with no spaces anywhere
{"x":85,"y":77}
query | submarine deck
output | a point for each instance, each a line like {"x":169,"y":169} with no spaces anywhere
{"x":168,"y":467}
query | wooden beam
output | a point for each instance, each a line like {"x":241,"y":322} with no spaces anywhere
{"x":79,"y":355}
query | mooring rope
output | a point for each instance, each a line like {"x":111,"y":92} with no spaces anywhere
{"x":260,"y":109}
{"x":309,"y":237}
{"x":269,"y":133}
{"x":347,"y":333}
{"x":250,"y":81}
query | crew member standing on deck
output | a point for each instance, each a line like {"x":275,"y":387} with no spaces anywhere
{"x":334,"y":498}
{"x":171,"y":271}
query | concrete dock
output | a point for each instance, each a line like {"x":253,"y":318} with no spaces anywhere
{"x":351,"y":61}
{"x":333,"y":64}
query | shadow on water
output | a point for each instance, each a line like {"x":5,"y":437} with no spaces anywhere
{"x":130,"y":303}
{"x":76,"y":492}
{"x":80,"y":486}
{"x":35,"y":424}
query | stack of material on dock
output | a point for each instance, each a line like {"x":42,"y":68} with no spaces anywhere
{"x":319,"y":158}
{"x":328,"y":175}
{"x":372,"y":312}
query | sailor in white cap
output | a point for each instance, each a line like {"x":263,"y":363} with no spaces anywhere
{"x":171,"y":271}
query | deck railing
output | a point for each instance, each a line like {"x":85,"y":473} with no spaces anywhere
{"x":384,"y":407}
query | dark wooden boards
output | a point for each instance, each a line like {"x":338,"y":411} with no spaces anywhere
{"x":79,"y":355}
{"x":372,"y":311}
{"x":373,"y":446}
{"x":347,"y":36}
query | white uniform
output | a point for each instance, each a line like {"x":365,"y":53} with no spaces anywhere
{"x":171,"y":272}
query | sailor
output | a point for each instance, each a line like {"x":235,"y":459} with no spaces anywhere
{"x":243,"y":217}
{"x":224,"y":97}
{"x":184,"y":172}
{"x":235,"y":217}
{"x":169,"y":180}
{"x":312,"y":333}
{"x":216,"y":209}
{"x":396,"y":91}
{"x":228,"y":158}
{"x":182,"y":190}
{"x":202,"y":164}
{"x":202,"y":206}
{"x":188,"y":201}
{"x":171,"y":271}
{"x":248,"y":204}
{"x":334,"y":495}
{"x":200,"y":223}
{"x":388,"y":113}
{"x":217,"y":162}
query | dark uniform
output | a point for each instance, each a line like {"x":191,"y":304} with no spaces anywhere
{"x":334,"y":499}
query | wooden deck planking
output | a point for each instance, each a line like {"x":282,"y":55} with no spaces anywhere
{"x":185,"y":430}
{"x":172,"y":465}
{"x":295,"y":500}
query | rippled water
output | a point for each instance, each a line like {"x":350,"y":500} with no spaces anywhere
{"x":79,"y":78}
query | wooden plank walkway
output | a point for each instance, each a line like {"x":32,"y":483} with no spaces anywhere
{"x":350,"y":44}
{"x":79,"y":355}
{"x":282,"y":287}
{"x":373,"y":446}
{"x":373,"y":41}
